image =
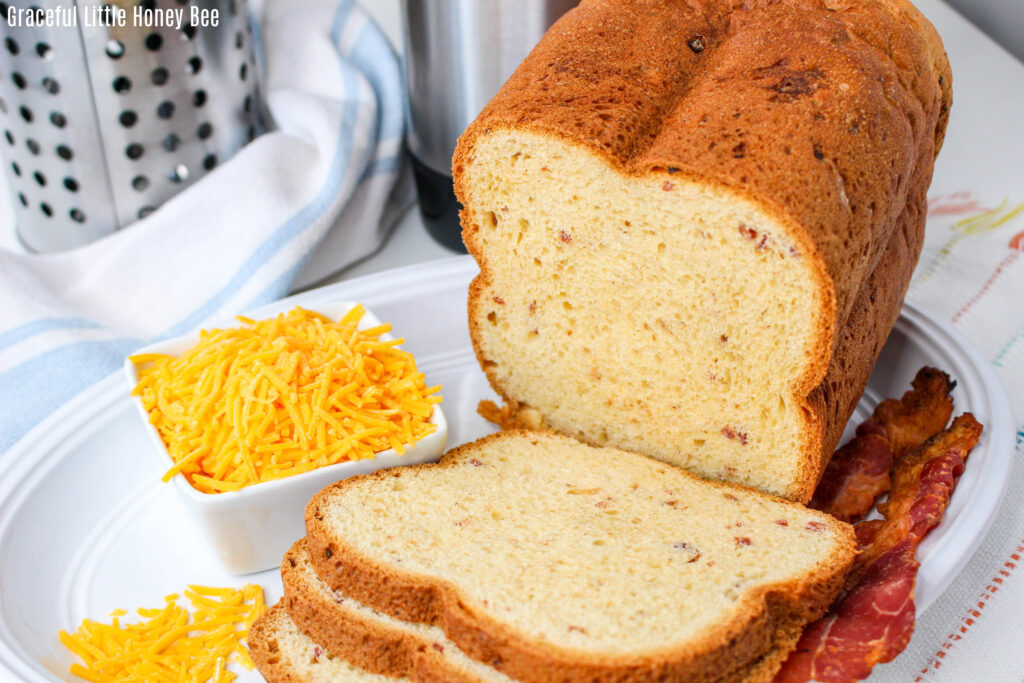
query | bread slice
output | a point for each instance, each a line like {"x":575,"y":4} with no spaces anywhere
{"x":548,"y":559}
{"x":695,"y":224}
{"x":370,"y":639}
{"x":376,"y":642}
{"x":283,"y":654}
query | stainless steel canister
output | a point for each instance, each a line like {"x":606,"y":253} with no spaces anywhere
{"x":103,"y":121}
{"x":457,"y":55}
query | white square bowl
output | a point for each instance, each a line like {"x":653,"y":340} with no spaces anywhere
{"x":249,"y":530}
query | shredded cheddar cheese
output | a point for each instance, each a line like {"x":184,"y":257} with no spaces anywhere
{"x":283,"y":396}
{"x":168,"y":645}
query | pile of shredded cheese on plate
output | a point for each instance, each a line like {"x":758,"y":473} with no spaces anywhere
{"x":279,"y":397}
{"x":168,"y":645}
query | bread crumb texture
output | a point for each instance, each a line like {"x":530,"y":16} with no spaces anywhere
{"x":590,"y":550}
{"x":638,"y":337}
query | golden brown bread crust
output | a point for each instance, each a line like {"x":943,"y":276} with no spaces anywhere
{"x":264,"y":650}
{"x":722,"y":653}
{"x":861,"y":338}
{"x":765,"y":668}
{"x":363,"y":642}
{"x":338,"y":631}
{"x":826,"y":113}
{"x":368,"y":645}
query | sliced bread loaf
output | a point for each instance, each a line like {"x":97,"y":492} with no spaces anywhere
{"x":375,"y":642}
{"x":370,"y":639}
{"x":696,"y":221}
{"x":283,"y":654}
{"x":552,"y":560}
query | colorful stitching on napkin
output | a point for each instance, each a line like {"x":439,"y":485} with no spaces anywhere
{"x":976,"y":224}
{"x":955,"y":203}
{"x":1017,"y":245}
{"x":974,"y":612}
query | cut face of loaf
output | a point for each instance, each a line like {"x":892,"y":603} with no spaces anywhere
{"x":628,"y":314}
{"x":695,"y":225}
{"x":554,"y":560}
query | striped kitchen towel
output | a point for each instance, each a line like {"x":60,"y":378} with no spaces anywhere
{"x":236,"y":239}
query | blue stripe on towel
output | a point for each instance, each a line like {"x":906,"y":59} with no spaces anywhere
{"x":367,"y":52}
{"x":386,"y":165}
{"x":277,"y":287}
{"x":373,"y":55}
{"x":39,"y":385}
{"x":295,"y":225}
{"x":28,"y":330}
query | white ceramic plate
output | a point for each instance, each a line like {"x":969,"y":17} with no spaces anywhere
{"x":86,"y":526}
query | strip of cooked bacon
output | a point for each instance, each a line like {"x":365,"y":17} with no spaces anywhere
{"x":872,"y":623}
{"x":922,"y":480}
{"x":858,"y":472}
{"x":867,"y":530}
{"x":917,"y":415}
{"x":874,"y":618}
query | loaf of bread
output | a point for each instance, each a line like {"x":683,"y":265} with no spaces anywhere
{"x":696,"y":221}
{"x":548,"y":559}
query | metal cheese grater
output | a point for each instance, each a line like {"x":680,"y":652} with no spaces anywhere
{"x":102,"y":124}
